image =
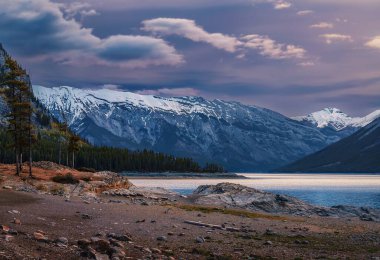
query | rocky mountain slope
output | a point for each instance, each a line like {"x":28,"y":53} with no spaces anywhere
{"x":359,"y":152}
{"x":241,"y":137}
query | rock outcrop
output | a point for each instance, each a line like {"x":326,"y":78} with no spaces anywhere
{"x":238,"y":196}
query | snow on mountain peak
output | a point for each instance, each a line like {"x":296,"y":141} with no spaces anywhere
{"x":335,"y":118}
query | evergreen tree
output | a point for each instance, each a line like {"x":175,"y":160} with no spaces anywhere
{"x":74,"y":146}
{"x":18,"y":96}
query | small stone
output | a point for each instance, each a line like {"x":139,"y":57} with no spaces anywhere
{"x":200,"y":240}
{"x":6,"y":187}
{"x":40,"y":237}
{"x":62,"y":240}
{"x":270,"y":232}
{"x":4,"y":229}
{"x":147,"y":250}
{"x":100,"y":234}
{"x":8,"y":238}
{"x":181,"y":234}
{"x":83,"y":243}
{"x":116,"y":243}
{"x":101,"y":245}
{"x":13,"y":232}
{"x":86,"y":216}
{"x":124,"y":238}
{"x":162,"y":238}
{"x":170,"y":234}
{"x":156,"y":251}
{"x":117,"y":252}
{"x":268,"y":243}
{"x":17,"y":221}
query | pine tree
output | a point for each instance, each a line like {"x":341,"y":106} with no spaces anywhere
{"x":18,"y":96}
{"x":74,"y":146}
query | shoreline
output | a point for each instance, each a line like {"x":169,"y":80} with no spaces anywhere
{"x":182,"y":175}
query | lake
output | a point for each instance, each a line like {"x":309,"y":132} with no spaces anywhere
{"x":317,"y":189}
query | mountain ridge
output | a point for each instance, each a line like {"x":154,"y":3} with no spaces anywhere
{"x":238,"y":136}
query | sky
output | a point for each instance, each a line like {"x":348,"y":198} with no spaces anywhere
{"x":292,"y":56}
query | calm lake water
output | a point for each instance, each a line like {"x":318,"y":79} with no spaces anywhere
{"x":318,"y":189}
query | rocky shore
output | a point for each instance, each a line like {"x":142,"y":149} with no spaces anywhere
{"x":104,"y":216}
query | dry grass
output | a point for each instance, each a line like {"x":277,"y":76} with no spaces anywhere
{"x":58,"y":190}
{"x":234,"y":212}
{"x":8,"y":170}
{"x":42,"y":187}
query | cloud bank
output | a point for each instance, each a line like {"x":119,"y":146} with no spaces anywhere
{"x":51,"y":33}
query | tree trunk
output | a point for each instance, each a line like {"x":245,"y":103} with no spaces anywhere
{"x":73,"y":160}
{"x":30,"y":154}
{"x":17,"y":165}
{"x":20,"y":164}
{"x":59,"y":153}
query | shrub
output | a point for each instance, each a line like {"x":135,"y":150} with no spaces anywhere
{"x":65,"y":179}
{"x":42,"y":187}
{"x":85,"y":169}
{"x":58,"y":190}
{"x":86,"y":179}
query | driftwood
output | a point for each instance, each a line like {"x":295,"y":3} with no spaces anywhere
{"x":201,"y":224}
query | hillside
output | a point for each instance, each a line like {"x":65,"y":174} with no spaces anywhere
{"x":358,"y":153}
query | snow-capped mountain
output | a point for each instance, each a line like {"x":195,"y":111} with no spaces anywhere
{"x":238,"y":136}
{"x":337,"y":120}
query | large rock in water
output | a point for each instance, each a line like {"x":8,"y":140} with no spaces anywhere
{"x":229,"y":194}
{"x":238,"y":196}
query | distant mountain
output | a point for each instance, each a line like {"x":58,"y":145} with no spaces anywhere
{"x":334,"y":120}
{"x":240,"y":137}
{"x":358,"y":153}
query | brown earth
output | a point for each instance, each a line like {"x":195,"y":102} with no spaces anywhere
{"x":252,"y":235}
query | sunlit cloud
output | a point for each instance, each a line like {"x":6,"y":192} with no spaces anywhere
{"x":333,"y":37}
{"x":322,"y":25}
{"x":190,"y":30}
{"x":305,"y":12}
{"x":270,"y":48}
{"x":374,"y":42}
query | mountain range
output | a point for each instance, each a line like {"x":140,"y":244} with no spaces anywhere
{"x":240,"y":137}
